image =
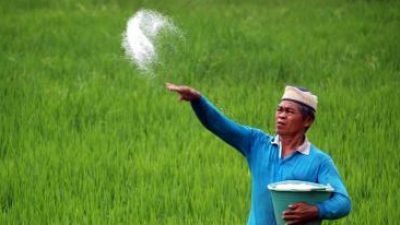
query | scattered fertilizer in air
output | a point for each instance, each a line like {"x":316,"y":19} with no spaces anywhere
{"x":141,"y":36}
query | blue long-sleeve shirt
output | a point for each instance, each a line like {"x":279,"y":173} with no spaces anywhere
{"x":266,"y":165}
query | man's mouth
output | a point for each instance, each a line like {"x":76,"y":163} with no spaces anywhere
{"x":280,"y":124}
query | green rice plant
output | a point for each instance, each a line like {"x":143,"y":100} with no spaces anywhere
{"x":86,"y":139}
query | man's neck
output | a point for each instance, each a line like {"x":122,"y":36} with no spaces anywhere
{"x":291,"y":142}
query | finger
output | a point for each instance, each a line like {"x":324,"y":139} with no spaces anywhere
{"x":290,"y":217}
{"x":288,"y":213}
{"x":294,"y":206}
{"x":179,"y":89}
{"x":293,"y":222}
{"x":168,"y":84}
{"x":172,"y":87}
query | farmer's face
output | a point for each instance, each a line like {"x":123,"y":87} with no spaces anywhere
{"x":288,"y":119}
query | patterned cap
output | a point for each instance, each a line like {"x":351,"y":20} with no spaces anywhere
{"x":300,"y":95}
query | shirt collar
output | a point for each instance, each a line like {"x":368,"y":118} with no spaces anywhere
{"x":303,"y":148}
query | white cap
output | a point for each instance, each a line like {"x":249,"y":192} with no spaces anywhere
{"x":298,"y":95}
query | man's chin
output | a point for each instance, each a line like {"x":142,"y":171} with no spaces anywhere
{"x":280,"y":132}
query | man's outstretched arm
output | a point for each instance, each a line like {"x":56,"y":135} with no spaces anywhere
{"x":234,"y":134}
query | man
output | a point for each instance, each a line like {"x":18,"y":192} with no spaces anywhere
{"x":287,"y":156}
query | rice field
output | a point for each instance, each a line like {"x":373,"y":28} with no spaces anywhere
{"x":85,"y":138}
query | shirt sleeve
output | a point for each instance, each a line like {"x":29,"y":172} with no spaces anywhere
{"x":339,"y":204}
{"x":234,"y":134}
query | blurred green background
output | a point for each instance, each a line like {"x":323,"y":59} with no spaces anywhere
{"x":86,"y":139}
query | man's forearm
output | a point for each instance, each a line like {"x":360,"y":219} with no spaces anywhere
{"x":336,"y":207}
{"x":229,"y":131}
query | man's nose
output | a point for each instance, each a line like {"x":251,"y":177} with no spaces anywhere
{"x":282,"y":115}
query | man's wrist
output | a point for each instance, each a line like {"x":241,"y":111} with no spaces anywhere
{"x":321,"y":210}
{"x":197,"y":100}
{"x":315,"y":212}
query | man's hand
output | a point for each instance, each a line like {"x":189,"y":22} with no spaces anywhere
{"x":185,"y":93}
{"x":300,"y":213}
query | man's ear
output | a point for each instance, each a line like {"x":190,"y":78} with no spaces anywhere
{"x":308,"y":121}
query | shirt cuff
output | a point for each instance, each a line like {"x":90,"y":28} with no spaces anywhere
{"x":321,"y":211}
{"x":198,"y":101}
